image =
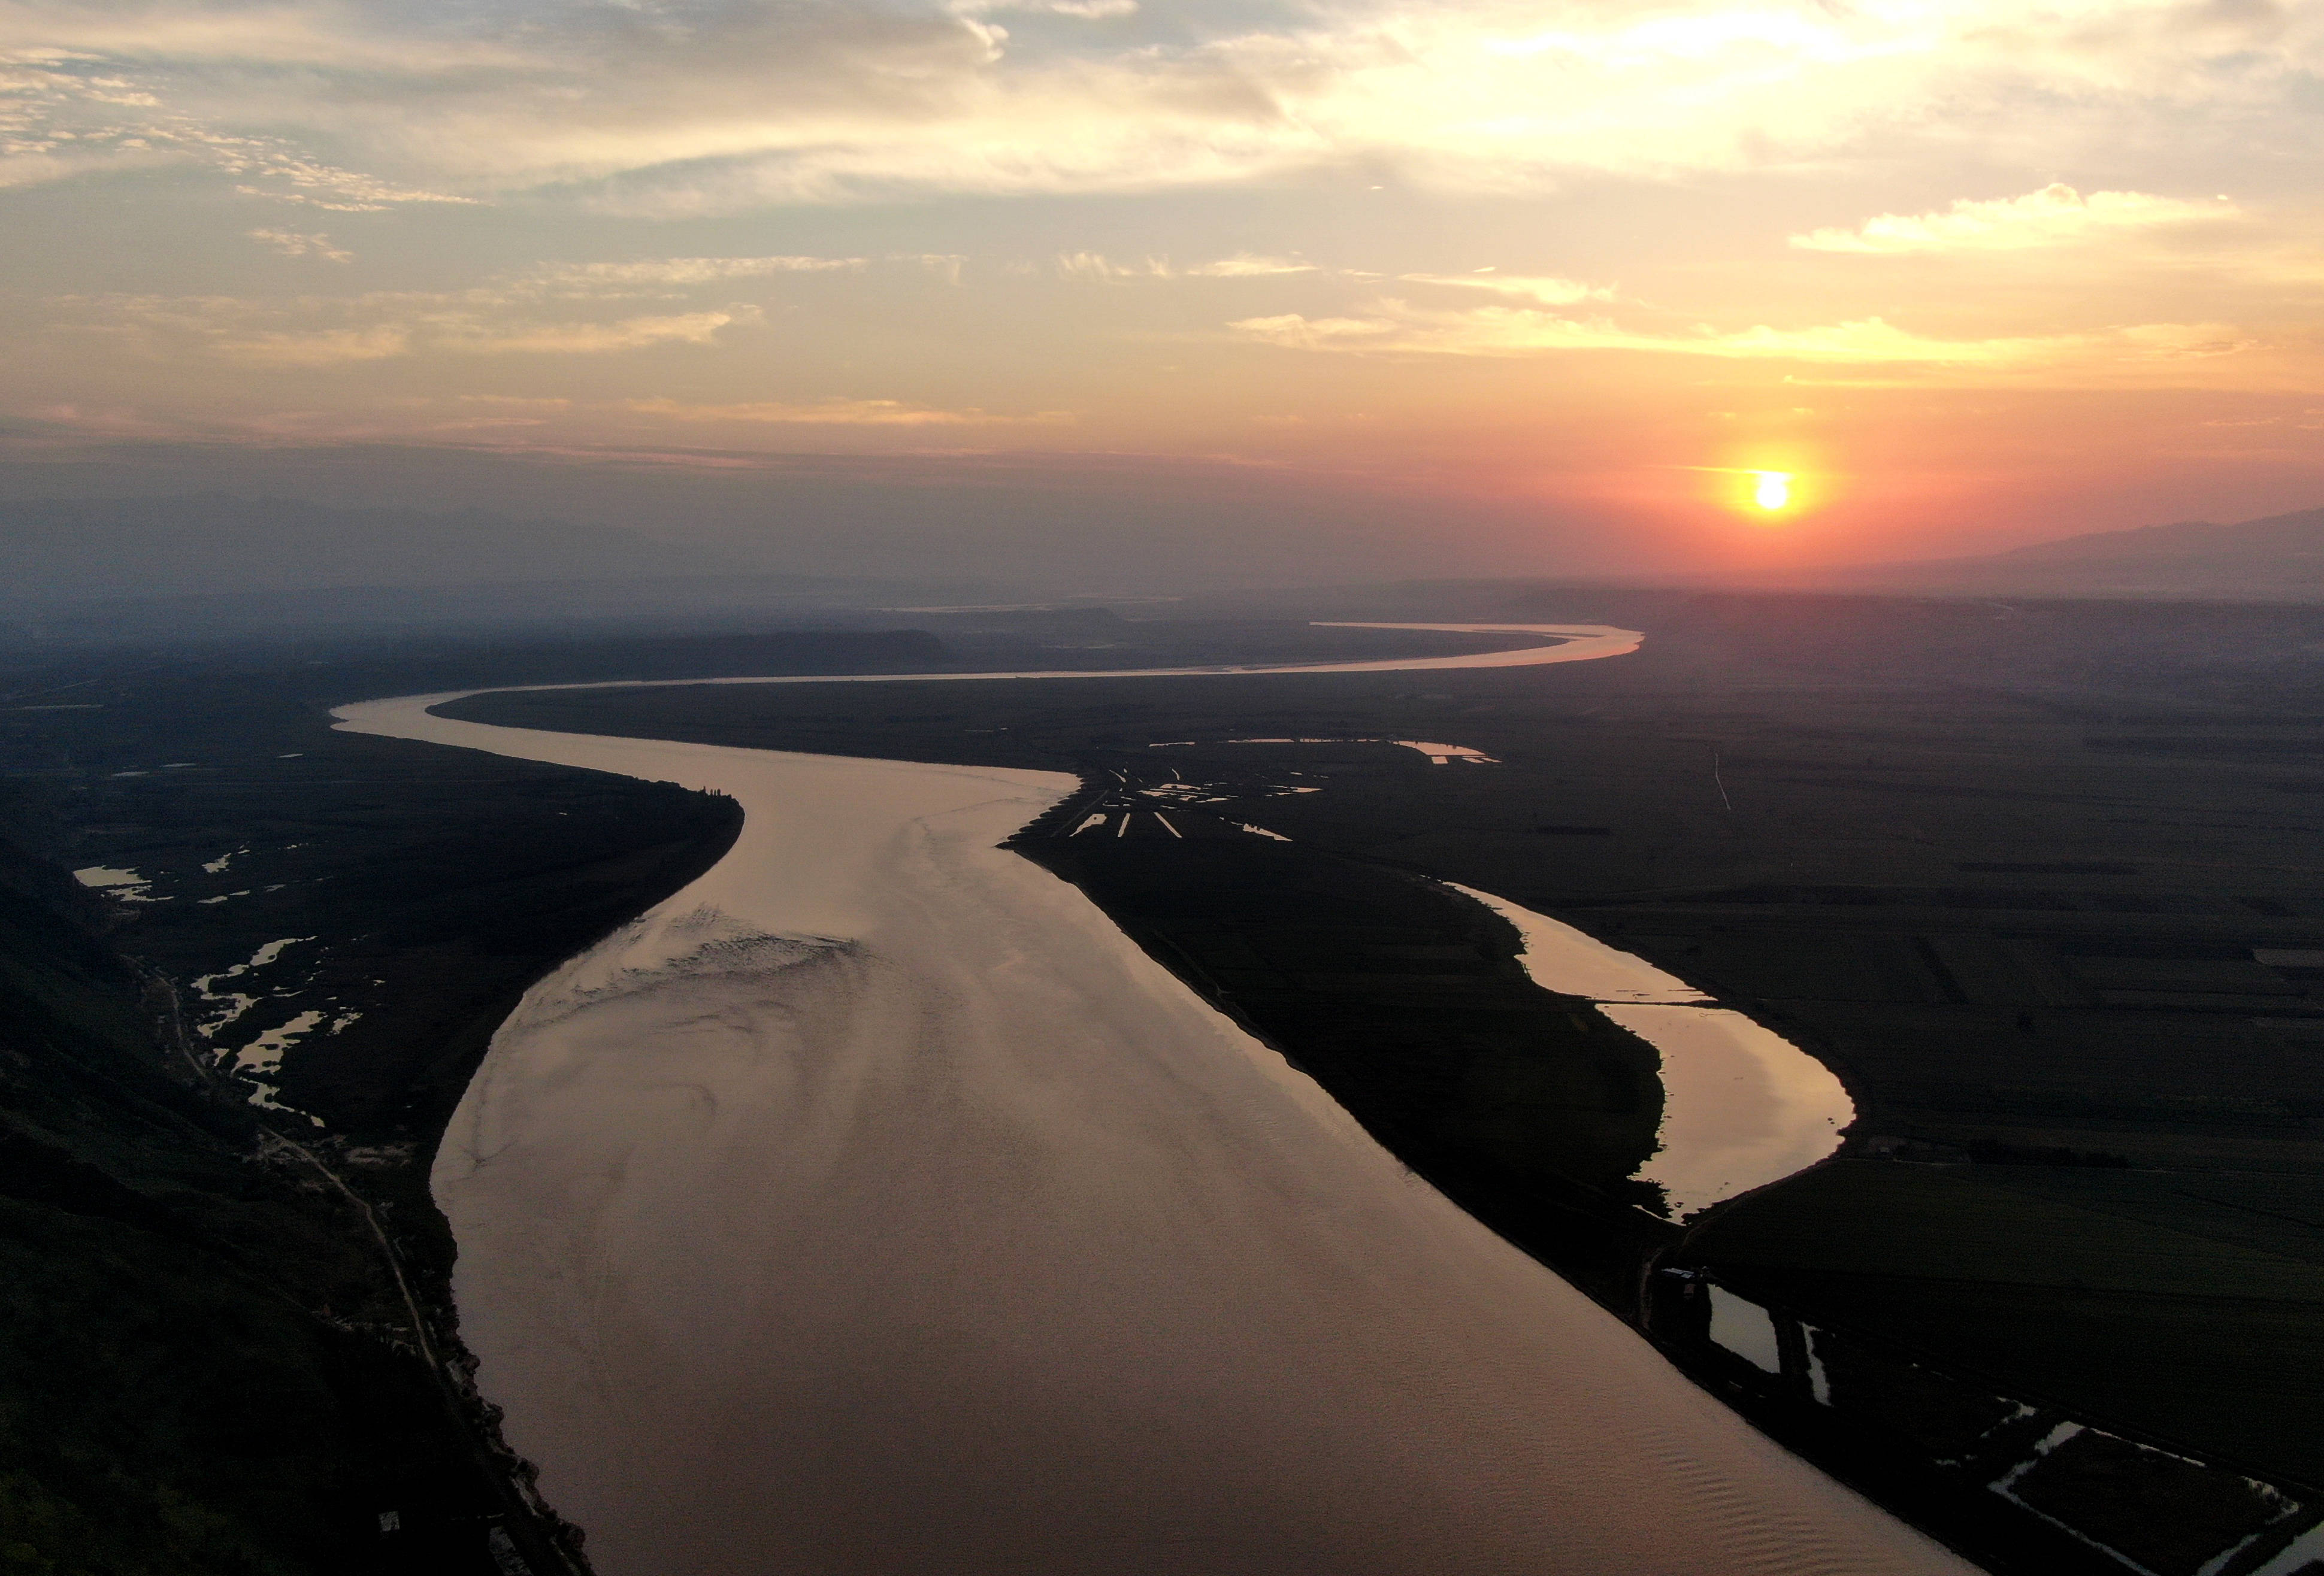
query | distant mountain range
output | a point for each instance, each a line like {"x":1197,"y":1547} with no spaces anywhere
{"x":2280,"y":558}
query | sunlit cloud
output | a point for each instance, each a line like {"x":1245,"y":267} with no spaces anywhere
{"x":317,"y":332}
{"x":1098,"y":267}
{"x":676,"y":272}
{"x":363,"y":215}
{"x":1245,"y":265}
{"x":316,"y":347}
{"x":284,"y":176}
{"x":1546,"y":291}
{"x":839,"y":413}
{"x":947,"y":265}
{"x":590,"y":338}
{"x":2055,"y":215}
{"x":693,"y":107}
{"x":1086,"y":10}
{"x":1398,"y":328}
{"x":293,"y":243}
{"x":331,"y":346}
{"x":66,"y":114}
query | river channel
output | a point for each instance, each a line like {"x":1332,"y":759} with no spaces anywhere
{"x":873,"y":1205}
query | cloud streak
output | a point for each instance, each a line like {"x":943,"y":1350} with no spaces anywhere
{"x":294,"y":243}
{"x":2055,"y":215}
{"x":1396,"y":329}
{"x":1098,"y":268}
{"x":314,"y":332}
{"x":839,"y":413}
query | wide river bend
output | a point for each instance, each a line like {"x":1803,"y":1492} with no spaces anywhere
{"x":874,"y":1206}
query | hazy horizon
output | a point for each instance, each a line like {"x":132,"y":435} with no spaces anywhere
{"x":1510,"y":287}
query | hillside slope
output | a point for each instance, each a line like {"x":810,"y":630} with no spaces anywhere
{"x":2278,"y":558}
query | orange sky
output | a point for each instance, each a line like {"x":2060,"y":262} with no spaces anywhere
{"x":1969,"y":274}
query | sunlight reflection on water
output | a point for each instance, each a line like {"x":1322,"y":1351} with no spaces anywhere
{"x":1742,"y":1106}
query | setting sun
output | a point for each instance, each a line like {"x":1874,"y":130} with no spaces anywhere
{"x":1773,"y":488}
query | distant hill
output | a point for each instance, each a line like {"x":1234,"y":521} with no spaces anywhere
{"x":2280,"y":558}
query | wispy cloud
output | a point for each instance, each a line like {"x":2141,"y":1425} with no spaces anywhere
{"x":1396,"y":328}
{"x":1249,"y":265}
{"x":319,"y":331}
{"x":840,"y":413}
{"x":2055,"y":215}
{"x":66,"y":113}
{"x":1097,"y":266}
{"x":555,"y":309}
{"x":1085,"y":10}
{"x":1546,"y":291}
{"x":680,"y":273}
{"x":292,"y":244}
{"x":693,"y":106}
{"x":588,"y":338}
{"x":313,"y":347}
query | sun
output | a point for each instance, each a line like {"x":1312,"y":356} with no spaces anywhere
{"x":1768,"y":485}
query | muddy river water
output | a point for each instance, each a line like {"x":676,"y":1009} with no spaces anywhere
{"x":874,"y":1206}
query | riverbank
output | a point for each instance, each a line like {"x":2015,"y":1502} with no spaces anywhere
{"x":210,"y":1367}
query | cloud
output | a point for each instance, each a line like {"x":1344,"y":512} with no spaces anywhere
{"x":697,"y":106}
{"x":589,"y":339}
{"x":556,"y":308}
{"x":945,"y":264}
{"x":282,"y":176}
{"x":836,"y":412}
{"x":679,"y":272}
{"x":2055,"y":215}
{"x":316,"y":347}
{"x":1096,"y":266}
{"x":1546,"y":291}
{"x":1396,"y":328}
{"x":291,"y":244}
{"x":1246,"y":265}
{"x":66,"y":113}
{"x":1085,"y":10}
{"x":313,"y":332}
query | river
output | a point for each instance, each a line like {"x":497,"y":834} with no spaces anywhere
{"x":1742,"y":1106}
{"x":874,"y":1206}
